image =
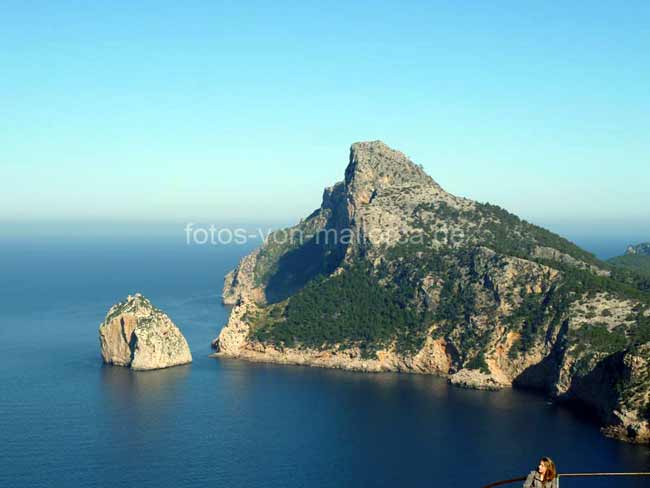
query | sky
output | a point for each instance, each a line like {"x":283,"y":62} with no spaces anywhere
{"x":244,"y":111}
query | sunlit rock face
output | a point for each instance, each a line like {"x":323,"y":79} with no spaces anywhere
{"x":138,"y":335}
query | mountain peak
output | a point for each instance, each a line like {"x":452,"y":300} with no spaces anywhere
{"x":375,"y":163}
{"x":399,"y":275}
{"x":376,"y":145}
{"x":642,"y":249}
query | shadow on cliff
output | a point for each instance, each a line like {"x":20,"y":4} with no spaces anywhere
{"x":594,"y":395}
{"x":322,"y":253}
{"x":298,"y":266}
{"x":599,"y":390}
{"x":543,"y":375}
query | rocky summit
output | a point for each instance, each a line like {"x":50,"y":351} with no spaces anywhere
{"x":138,"y":335}
{"x":642,"y":249}
{"x":393,"y":273}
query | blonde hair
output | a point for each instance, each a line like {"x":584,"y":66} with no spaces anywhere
{"x":551,"y":471}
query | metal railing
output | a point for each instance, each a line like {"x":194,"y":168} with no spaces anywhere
{"x":565,"y":475}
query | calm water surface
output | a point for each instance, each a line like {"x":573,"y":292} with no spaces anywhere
{"x":67,"y":420}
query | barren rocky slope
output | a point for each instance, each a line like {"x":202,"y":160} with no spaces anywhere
{"x":392,"y":273}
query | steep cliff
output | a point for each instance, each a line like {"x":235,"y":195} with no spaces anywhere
{"x":392,"y":273}
{"x":136,"y":334}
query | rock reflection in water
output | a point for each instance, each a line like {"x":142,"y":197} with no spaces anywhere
{"x":144,"y":398}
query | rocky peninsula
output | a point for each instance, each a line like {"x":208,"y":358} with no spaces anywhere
{"x":415,"y":279}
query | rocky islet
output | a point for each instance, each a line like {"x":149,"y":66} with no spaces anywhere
{"x":138,"y":335}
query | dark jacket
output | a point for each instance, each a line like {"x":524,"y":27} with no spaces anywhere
{"x":534,"y":481}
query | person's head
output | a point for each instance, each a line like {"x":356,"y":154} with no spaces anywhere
{"x":547,"y":468}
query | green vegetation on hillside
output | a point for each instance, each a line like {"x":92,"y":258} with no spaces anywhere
{"x":371,"y":308}
{"x":350,"y":309}
{"x":511,"y":236}
{"x":641,"y":330}
{"x":293,"y":256}
{"x":516,"y":237}
{"x":596,"y":337}
{"x":633,"y":269}
{"x":537,"y":311}
{"x":500,"y":230}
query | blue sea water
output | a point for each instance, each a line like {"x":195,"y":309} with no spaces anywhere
{"x":68,"y":420}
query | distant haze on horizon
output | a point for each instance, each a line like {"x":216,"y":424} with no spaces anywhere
{"x":604,"y":239}
{"x":204,"y":111}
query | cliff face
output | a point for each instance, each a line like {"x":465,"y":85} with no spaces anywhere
{"x":136,"y":334}
{"x":392,"y":273}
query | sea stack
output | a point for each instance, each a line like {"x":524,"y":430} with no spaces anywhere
{"x":140,"y":336}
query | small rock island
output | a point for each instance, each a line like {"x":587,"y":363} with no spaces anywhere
{"x":138,"y":335}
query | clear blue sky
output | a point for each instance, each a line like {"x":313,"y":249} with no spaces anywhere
{"x":212,"y":110}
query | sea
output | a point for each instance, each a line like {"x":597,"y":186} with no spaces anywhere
{"x":68,"y":420}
